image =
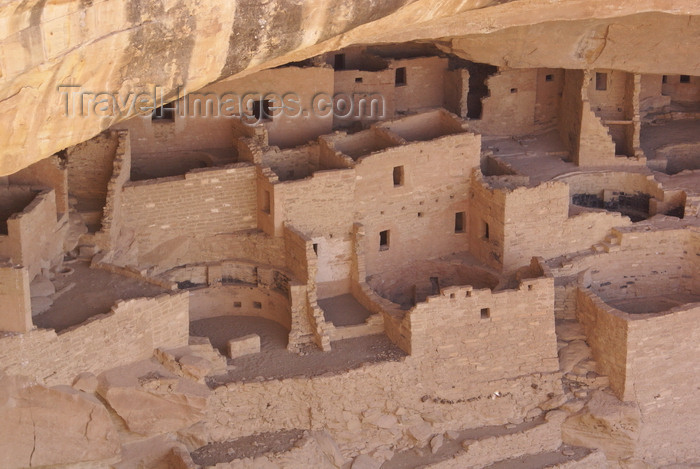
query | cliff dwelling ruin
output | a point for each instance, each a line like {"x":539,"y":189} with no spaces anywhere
{"x":360,"y":248}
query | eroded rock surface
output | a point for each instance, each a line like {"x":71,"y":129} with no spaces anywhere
{"x":49,"y":426}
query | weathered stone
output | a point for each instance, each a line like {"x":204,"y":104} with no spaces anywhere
{"x":86,"y":382}
{"x":329,"y":447}
{"x":365,"y":462}
{"x":150,"y":399}
{"x":572,"y":354}
{"x":242,"y":346}
{"x":605,"y":423}
{"x":436,"y":443}
{"x":42,"y":426}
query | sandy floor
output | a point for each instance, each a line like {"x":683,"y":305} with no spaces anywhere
{"x":343,"y":310}
{"x":275,"y":362}
{"x":95,"y":292}
{"x":653,"y":136}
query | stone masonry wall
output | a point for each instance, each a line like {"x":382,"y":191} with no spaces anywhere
{"x":130,"y":332}
{"x":202,"y":203}
{"x":15,"y":307}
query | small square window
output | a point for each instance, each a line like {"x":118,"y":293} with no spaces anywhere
{"x":452,"y":296}
{"x":398,"y":176}
{"x":513,"y":90}
{"x":601,"y":81}
{"x":459,"y":222}
{"x":468,"y":293}
{"x":685,"y":78}
{"x":529,"y":287}
{"x":549,"y":77}
{"x":358,"y":80}
{"x":485,"y":313}
{"x":420,"y":214}
{"x":257,"y":305}
{"x":384,"y":240}
{"x":400,"y":76}
{"x":236,"y":304}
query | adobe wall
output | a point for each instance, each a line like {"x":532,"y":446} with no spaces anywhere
{"x":35,"y":236}
{"x":372,"y":84}
{"x":435,"y":187}
{"x":486,"y":208}
{"x":49,"y":172}
{"x":647,"y":264}
{"x":202,"y":203}
{"x":456,"y":87}
{"x":424,"y":83}
{"x":663,"y":361}
{"x":510,"y":107}
{"x":517,"y":338}
{"x":531,"y":221}
{"x":651,"y":98}
{"x":15,"y":306}
{"x":550,"y":85}
{"x":101,"y":342}
{"x":89,"y":166}
{"x":682,"y":92}
{"x":606,"y":331}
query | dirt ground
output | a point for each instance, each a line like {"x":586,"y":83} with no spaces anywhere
{"x":246,"y":447}
{"x":275,"y":362}
{"x":95,"y":291}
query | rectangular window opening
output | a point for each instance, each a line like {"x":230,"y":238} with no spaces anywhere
{"x":257,"y":305}
{"x":420,"y":214}
{"x":685,"y":78}
{"x":339,"y":62}
{"x":261,"y":109}
{"x":358,"y":80}
{"x":513,"y":90}
{"x":485,"y":232}
{"x":664,"y":78}
{"x":236,"y":304}
{"x":315,"y":246}
{"x":485,"y":313}
{"x":266,"y":202}
{"x":400,"y":76}
{"x":384,"y":240}
{"x":164,"y":113}
{"x":549,"y":77}
{"x":459,"y":222}
{"x":398,"y":176}
{"x":601,"y":81}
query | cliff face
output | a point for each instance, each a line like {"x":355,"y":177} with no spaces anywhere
{"x":118,"y":47}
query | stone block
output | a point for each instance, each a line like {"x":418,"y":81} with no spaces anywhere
{"x":245,"y":345}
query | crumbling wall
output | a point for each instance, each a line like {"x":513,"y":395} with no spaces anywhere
{"x":651,"y":98}
{"x":202,"y":203}
{"x":364,"y":89}
{"x":456,"y":88}
{"x":100,"y":343}
{"x":35,"y":237}
{"x":89,"y":166}
{"x":47,"y":173}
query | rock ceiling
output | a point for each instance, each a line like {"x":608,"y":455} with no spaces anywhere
{"x":119,"y":46}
